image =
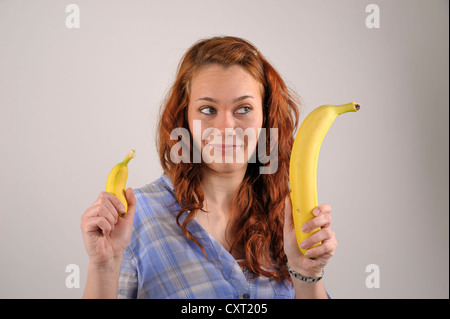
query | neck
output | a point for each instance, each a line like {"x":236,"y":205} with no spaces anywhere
{"x":219,"y":189}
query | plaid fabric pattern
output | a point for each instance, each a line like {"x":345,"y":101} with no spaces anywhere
{"x":161,"y":262}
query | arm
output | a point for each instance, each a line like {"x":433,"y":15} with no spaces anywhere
{"x":105,"y":236}
{"x":102,"y":280}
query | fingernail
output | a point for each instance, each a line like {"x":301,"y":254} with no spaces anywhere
{"x":316,"y":212}
{"x":305,"y":228}
{"x":303,"y":245}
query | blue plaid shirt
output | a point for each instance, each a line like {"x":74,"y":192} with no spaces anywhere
{"x":161,"y":262}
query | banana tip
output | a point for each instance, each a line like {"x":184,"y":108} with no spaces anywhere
{"x":128,"y":158}
{"x":357,"y":106}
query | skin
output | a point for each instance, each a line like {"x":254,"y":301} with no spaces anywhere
{"x":220,"y":98}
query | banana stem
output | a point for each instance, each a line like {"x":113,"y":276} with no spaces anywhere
{"x":349,"y":107}
{"x":129,"y":157}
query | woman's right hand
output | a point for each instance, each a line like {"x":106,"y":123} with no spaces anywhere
{"x":105,"y":234}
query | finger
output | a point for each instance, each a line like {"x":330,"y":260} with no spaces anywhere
{"x":96,"y":224}
{"x":322,"y":209}
{"x":106,"y":208}
{"x":110,"y":214}
{"x":327,"y":247}
{"x":103,"y":208}
{"x":119,"y":207}
{"x":104,"y":225}
{"x":112,"y":211}
{"x":323,"y":235}
{"x":323,"y":220}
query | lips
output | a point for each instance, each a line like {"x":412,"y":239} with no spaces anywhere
{"x":225,"y":147}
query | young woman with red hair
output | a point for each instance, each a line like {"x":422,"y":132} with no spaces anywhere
{"x":218,"y":222}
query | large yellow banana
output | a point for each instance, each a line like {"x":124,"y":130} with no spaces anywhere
{"x":117,"y":179}
{"x":303,"y":163}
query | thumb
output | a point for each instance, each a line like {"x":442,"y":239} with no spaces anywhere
{"x":288,"y":219}
{"x":131,"y":200}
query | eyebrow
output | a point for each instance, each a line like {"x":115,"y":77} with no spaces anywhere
{"x":234,"y":101}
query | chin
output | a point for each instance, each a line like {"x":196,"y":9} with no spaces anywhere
{"x":227,"y":168}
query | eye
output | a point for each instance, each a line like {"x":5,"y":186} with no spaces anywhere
{"x":208,"y":110}
{"x":243,"y":110}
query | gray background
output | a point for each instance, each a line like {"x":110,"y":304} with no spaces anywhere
{"x":75,"y":101}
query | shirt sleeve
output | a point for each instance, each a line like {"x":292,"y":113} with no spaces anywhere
{"x":128,"y":279}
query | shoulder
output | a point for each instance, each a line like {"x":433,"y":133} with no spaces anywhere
{"x":162,"y":186}
{"x":156,"y":195}
{"x":156,"y":206}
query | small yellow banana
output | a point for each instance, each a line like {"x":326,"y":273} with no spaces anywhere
{"x":303,"y":163}
{"x":117,"y":179}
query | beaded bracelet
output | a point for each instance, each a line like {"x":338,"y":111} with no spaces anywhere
{"x":304,"y":278}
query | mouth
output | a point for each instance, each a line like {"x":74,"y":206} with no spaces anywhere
{"x":224,"y":147}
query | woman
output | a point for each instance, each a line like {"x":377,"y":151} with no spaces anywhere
{"x":218,"y":223}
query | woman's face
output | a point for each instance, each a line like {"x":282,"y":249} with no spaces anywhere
{"x":224,"y":115}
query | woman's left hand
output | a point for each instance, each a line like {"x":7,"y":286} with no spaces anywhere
{"x":322,"y":253}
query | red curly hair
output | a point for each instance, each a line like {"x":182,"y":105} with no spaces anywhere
{"x":258,"y":211}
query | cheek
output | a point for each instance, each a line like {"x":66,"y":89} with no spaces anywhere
{"x":195,"y":125}
{"x":195,"y":129}
{"x":203,"y":133}
{"x":255,"y":123}
{"x":189,"y":118}
{"x":259,"y":118}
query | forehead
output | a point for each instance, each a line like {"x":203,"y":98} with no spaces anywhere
{"x":219,"y":80}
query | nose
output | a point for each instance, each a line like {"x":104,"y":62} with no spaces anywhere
{"x":225,"y":123}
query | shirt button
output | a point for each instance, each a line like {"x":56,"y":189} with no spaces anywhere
{"x":246,"y":296}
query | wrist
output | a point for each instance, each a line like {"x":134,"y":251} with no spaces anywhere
{"x":106,"y":265}
{"x":102,"y":279}
{"x":309,"y":276}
